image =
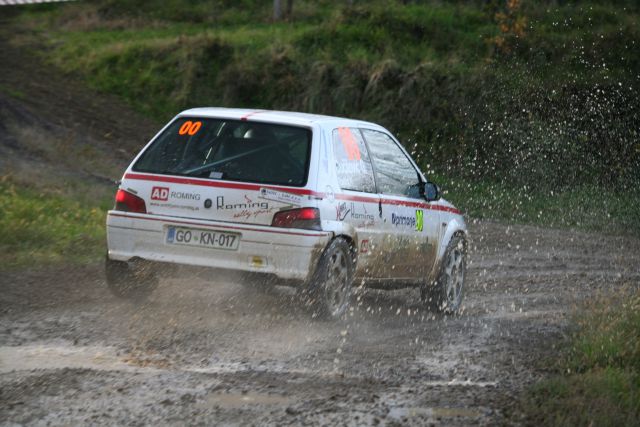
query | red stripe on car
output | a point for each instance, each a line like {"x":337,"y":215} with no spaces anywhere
{"x":300,"y":191}
{"x":226,"y":184}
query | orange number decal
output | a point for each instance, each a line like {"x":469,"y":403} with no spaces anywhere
{"x":349,"y":143}
{"x":194,"y":128}
{"x":190,"y":128}
{"x":185,"y":127}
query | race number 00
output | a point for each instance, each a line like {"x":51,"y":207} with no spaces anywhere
{"x":189,"y":128}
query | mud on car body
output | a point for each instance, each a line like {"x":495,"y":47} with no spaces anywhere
{"x":321,"y":202}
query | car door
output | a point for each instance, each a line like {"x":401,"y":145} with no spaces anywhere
{"x":357,"y":202}
{"x":410,"y":227}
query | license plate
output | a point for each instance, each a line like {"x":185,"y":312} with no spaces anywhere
{"x":202,"y":238}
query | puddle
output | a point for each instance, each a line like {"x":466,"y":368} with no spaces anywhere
{"x":50,"y":356}
{"x":62,"y":355}
{"x":399,"y":413}
{"x":239,"y":400}
{"x":463,"y":383}
{"x":504,"y":314}
{"x":236,"y":367}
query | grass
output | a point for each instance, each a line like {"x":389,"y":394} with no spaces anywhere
{"x":41,"y":228}
{"x":12,"y":92}
{"x":598,"y":379}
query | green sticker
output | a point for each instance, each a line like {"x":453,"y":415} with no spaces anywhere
{"x":419,"y":220}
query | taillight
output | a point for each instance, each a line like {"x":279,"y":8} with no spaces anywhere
{"x":308,"y":218}
{"x":128,"y":202}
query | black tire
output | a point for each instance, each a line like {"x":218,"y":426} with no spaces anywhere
{"x":445,"y":294}
{"x":330,"y":289}
{"x":134,"y":280}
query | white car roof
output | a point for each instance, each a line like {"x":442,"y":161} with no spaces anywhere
{"x":289,"y":117}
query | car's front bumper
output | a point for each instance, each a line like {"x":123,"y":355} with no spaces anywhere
{"x":287,"y":253}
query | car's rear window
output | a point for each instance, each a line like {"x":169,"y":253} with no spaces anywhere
{"x":230,"y":150}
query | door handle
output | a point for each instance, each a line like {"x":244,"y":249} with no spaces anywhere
{"x":380,"y":207}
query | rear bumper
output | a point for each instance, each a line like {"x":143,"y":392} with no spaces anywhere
{"x":287,"y":253}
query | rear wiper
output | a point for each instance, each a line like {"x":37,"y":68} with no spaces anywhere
{"x":208,"y":166}
{"x":166,"y":172}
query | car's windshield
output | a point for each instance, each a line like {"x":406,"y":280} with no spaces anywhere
{"x":230,"y":150}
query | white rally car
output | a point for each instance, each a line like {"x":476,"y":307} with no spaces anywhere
{"x":321,"y":202}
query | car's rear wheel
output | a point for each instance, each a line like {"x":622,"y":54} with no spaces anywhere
{"x":445,"y":295}
{"x":130,"y":279}
{"x":330,"y":289}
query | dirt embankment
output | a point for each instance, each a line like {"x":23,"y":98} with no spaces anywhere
{"x":54,"y":130}
{"x":207,"y":350}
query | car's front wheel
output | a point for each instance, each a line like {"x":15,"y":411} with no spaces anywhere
{"x":130,"y":280}
{"x":330,"y":289}
{"x":445,"y":295}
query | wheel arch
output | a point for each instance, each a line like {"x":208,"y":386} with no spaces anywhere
{"x":345,"y":231}
{"x":455,"y":227}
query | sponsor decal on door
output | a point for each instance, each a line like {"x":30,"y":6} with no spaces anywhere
{"x":403,"y":221}
{"x":416,"y":221}
{"x":343,"y":210}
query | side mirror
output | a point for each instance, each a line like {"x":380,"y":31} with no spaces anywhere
{"x":431,"y":191}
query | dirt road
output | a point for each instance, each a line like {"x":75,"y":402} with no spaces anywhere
{"x":203,"y":350}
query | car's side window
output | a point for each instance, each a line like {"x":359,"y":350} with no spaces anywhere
{"x":395,"y":173}
{"x":353,"y":165}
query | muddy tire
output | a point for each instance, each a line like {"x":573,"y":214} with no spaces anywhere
{"x":330,"y":289}
{"x":133,"y":280}
{"x":445,"y":295}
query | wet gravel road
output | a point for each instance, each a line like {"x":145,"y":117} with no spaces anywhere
{"x":204,"y":350}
